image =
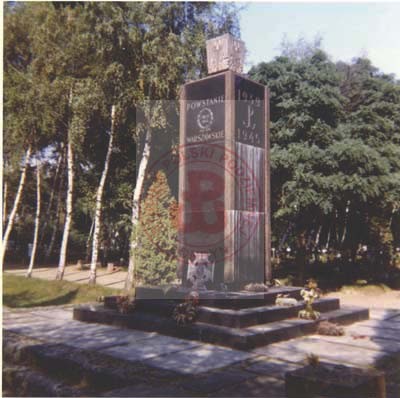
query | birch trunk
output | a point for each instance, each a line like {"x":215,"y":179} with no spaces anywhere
{"x":137,"y":193}
{"x":68,"y":212}
{"x":328,"y":238}
{"x":318,"y":236}
{"x":37,"y":222}
{"x":346,"y":217}
{"x":59,"y":169}
{"x":87,"y":257}
{"x":17,"y":201}
{"x":5,"y":204}
{"x":99,"y":203}
{"x":49,"y":250}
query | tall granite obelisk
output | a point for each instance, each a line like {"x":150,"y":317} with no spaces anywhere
{"x":224,"y":180}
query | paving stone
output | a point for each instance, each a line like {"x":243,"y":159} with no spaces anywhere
{"x":333,"y":380}
{"x":281,"y":351}
{"x":377,"y":323}
{"x":15,"y":314}
{"x":271,"y":367}
{"x":34,"y":327}
{"x":395,"y":319}
{"x":214,"y":381}
{"x":371,"y":343}
{"x":261,"y":386}
{"x":151,"y":347}
{"x":24,"y":321}
{"x":383,"y":314}
{"x":146,"y":390}
{"x":109,"y":338}
{"x":200,"y":359}
{"x":77,"y":334}
{"x":337,"y":353}
{"x":83,"y":335}
{"x":362,"y":330}
{"x":64,"y":314}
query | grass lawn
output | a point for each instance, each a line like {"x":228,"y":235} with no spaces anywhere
{"x":19,"y":292}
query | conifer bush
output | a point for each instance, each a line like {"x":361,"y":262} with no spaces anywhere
{"x":157,"y":234}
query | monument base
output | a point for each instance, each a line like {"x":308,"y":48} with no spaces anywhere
{"x":241,"y":320}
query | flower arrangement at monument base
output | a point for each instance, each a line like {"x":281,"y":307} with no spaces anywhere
{"x":310,"y":294}
{"x":186,"y":312}
{"x":327,"y":328}
{"x":256,"y":287}
{"x":125,"y":304}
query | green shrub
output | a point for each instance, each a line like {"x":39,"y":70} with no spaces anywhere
{"x":157,"y":233}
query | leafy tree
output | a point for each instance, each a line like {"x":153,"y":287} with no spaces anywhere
{"x":28,"y":126}
{"x":335,"y":151}
{"x":370,"y":154}
{"x":305,"y":113}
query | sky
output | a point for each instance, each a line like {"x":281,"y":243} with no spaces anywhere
{"x":348,"y":30}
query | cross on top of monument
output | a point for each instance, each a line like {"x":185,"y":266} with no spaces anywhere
{"x":225,"y":52}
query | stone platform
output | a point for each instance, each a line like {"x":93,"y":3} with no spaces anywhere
{"x":240,"y":320}
{"x":46,"y":353}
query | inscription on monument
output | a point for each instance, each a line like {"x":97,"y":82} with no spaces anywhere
{"x":205,"y":111}
{"x":222,"y":184}
{"x":249,"y":112}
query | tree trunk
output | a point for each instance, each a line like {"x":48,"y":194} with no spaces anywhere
{"x":137,"y":193}
{"x":301,"y":256}
{"x":59,"y":169}
{"x":318,"y":236}
{"x":328,"y":238}
{"x":17,"y":201}
{"x":5,"y":204}
{"x":87,"y":257}
{"x":49,"y":250}
{"x":346,"y":217}
{"x":99,"y":203}
{"x":68,"y":212}
{"x":37,"y":222}
{"x":285,"y":236}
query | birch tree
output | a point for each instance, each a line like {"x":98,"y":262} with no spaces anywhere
{"x":5,"y":191}
{"x":47,"y":217}
{"x":17,"y":202}
{"x":99,"y":202}
{"x":137,"y":193}
{"x":68,"y":212}
{"x":37,"y":220}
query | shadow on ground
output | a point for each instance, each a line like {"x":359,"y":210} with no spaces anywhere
{"x":29,"y":300}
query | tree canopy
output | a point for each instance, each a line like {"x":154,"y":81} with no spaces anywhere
{"x":65,"y":66}
{"x":335,"y":151}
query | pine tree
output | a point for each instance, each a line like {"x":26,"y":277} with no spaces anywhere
{"x":156,"y":233}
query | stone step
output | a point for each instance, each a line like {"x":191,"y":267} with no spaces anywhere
{"x":243,"y":318}
{"x":237,"y":318}
{"x":240,"y":338}
{"x":152,"y":297}
{"x":251,"y":299}
{"x":346,"y":315}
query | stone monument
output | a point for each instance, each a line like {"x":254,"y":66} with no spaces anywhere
{"x":224,"y":226}
{"x":224,"y":183}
